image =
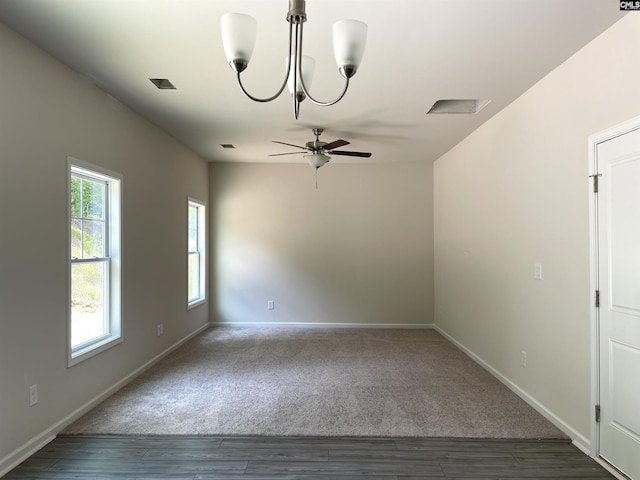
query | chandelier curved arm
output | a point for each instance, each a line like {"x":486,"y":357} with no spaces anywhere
{"x":286,"y":77}
{"x":299,"y":74}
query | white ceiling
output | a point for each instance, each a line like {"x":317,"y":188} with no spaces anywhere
{"x":418,"y":51}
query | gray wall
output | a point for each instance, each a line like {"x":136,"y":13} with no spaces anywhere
{"x":357,"y":250}
{"x":516,"y":192}
{"x":46,"y":113}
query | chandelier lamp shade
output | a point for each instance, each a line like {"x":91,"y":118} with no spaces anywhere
{"x":349,"y":39}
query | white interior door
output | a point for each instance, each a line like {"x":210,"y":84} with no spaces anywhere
{"x":618,"y":164}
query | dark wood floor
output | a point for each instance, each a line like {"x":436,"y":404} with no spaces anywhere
{"x":304,"y":458}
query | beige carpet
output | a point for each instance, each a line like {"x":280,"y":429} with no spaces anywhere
{"x":324,"y":382}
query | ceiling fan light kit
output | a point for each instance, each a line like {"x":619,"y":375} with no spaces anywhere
{"x":349,"y":39}
{"x":317,"y":160}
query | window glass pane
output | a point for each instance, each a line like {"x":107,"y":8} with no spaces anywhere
{"x":76,"y":238}
{"x":93,"y":238}
{"x":196,"y":253}
{"x":193,"y":228}
{"x":95,"y":322}
{"x":76,"y":185}
{"x":194,"y":276}
{"x":93,"y":199}
{"x":88,"y":285}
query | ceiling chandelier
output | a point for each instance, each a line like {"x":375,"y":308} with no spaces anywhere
{"x":349,"y":38}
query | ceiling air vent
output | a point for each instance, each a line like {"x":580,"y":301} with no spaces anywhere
{"x":162,"y":83}
{"x":471,"y":106}
{"x":227,"y":145}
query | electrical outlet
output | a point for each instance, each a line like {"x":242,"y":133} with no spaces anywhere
{"x":523,"y":359}
{"x":160,"y":329}
{"x":270,"y":305}
{"x":33,"y":395}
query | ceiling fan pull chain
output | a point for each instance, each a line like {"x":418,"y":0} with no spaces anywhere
{"x":317,"y":178}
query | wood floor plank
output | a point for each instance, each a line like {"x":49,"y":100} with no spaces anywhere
{"x":138,"y":441}
{"x":520,"y":471}
{"x":154,"y":467}
{"x":303,"y":458}
{"x":309,"y":442}
{"x":268,"y":454}
{"x":296,"y":476}
{"x":369,"y":467}
{"x":99,"y":453}
{"x":439,"y":455}
{"x":460,"y":444}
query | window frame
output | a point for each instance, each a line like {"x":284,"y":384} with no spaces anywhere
{"x":112,"y":261}
{"x":201,"y":251}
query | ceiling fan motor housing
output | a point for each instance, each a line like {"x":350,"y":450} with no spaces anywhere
{"x":316,"y":146}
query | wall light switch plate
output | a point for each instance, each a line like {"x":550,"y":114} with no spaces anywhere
{"x":270,"y":305}
{"x":33,"y":395}
{"x":537,"y":271}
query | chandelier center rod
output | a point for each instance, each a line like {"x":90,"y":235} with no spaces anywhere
{"x":297,"y":12}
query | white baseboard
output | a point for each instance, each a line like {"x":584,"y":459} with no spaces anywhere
{"x":579,"y":440}
{"x":36,"y":443}
{"x":321,"y":325}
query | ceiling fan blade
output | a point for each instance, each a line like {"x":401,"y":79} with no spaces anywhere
{"x":335,"y":144}
{"x":290,"y":144}
{"x":349,"y":154}
{"x":289,"y":153}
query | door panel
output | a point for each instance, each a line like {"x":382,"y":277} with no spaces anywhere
{"x":625,"y":394}
{"x":618,"y":163}
{"x":624,"y":198}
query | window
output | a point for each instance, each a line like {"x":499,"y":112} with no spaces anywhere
{"x":95,"y":263}
{"x":196,"y":254}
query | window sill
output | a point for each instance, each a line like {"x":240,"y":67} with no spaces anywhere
{"x":196,"y":303}
{"x":83,"y":354}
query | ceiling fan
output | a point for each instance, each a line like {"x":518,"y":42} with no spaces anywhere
{"x":319,"y":150}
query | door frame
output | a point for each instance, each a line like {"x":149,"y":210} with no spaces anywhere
{"x":594,"y":141}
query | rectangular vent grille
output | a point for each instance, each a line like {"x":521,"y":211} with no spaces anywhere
{"x":470,"y":106}
{"x":162,"y":83}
